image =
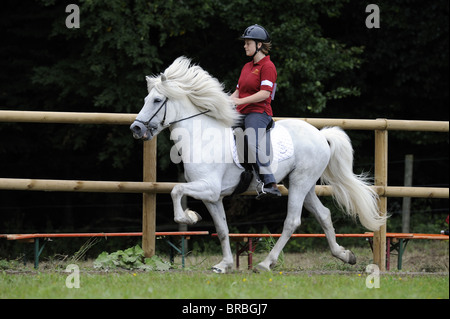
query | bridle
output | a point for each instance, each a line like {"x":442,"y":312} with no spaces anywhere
{"x":163,"y":124}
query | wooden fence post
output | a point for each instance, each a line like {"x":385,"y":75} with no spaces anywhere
{"x":406,"y":204}
{"x":149,"y":199}
{"x":381,"y":167}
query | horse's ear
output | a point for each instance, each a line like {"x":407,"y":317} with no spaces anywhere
{"x":163,"y":78}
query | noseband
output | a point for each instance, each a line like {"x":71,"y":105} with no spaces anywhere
{"x":147,"y":123}
{"x":151,"y":129}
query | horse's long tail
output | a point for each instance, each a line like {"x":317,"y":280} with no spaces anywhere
{"x":352,"y":192}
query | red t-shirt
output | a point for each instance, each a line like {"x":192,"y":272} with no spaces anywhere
{"x":254,"y":78}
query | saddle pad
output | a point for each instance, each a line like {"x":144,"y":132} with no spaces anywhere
{"x":282,"y":145}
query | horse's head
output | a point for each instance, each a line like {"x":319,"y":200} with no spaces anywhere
{"x":182,"y":92}
{"x":153,"y":117}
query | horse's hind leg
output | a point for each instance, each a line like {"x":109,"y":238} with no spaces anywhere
{"x":292,"y":221}
{"x":323,"y":216}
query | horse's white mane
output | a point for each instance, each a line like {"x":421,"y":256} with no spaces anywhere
{"x":182,"y":79}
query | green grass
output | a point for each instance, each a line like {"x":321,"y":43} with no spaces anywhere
{"x":311,"y":274}
{"x":194,"y":284}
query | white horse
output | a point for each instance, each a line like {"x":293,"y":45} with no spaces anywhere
{"x":193,"y":104}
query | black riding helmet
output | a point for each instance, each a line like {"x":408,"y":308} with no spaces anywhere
{"x":257,"y":33}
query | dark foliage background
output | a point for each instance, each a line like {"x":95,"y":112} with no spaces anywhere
{"x":329,"y":65}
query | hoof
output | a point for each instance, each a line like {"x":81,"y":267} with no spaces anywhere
{"x":351,"y":258}
{"x":218,"y":270}
{"x":193,"y":216}
{"x":260,"y":268}
{"x":222,"y":267}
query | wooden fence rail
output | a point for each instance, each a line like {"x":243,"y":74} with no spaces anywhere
{"x":149,"y":187}
{"x":57,"y":185}
{"x":127,"y":119}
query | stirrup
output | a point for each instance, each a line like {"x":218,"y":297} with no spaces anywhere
{"x":260,"y":189}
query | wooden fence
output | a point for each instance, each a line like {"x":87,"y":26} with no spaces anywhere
{"x":149,"y":187}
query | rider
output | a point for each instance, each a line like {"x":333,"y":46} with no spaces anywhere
{"x":253,"y":97}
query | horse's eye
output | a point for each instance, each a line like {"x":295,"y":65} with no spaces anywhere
{"x":157,"y":100}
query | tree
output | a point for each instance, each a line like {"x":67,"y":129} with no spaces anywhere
{"x":404,"y":68}
{"x":118,"y":42}
{"x":329,"y":65}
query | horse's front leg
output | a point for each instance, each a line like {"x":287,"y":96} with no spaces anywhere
{"x":201,"y":190}
{"x":220,"y":221}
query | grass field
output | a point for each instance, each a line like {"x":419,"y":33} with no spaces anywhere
{"x":243,"y":285}
{"x":299,"y":276}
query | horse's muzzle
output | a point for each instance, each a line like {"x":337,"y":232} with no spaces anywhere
{"x":140,"y":131}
